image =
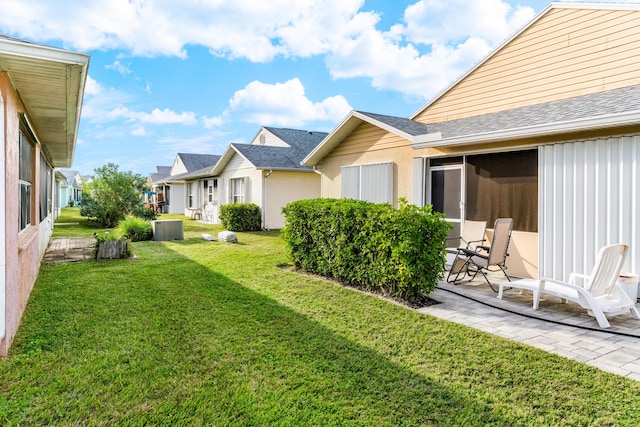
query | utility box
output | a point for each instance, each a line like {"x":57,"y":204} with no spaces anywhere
{"x":168,"y":229}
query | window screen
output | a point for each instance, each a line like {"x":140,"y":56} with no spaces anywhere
{"x":25,"y":175}
{"x":503,"y":185}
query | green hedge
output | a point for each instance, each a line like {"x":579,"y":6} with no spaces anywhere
{"x":399,"y":252}
{"x":241,"y":217}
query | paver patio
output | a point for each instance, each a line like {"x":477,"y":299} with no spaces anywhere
{"x":563,"y":329}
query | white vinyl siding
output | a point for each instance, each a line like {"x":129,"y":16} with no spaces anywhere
{"x":373,"y":182}
{"x":589,"y":197}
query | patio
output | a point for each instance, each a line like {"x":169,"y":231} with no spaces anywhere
{"x":563,"y":329}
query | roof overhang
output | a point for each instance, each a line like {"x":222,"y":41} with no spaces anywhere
{"x":50,"y":83}
{"x":347,"y":126}
{"x":620,"y":120}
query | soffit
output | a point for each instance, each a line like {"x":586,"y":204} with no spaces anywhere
{"x":50,"y":83}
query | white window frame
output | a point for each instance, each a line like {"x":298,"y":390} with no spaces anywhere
{"x":25,"y":217}
{"x":237,"y":190}
{"x":190,"y":195}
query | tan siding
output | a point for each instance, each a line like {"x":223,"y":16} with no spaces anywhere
{"x":567,"y":53}
{"x":368,"y":137}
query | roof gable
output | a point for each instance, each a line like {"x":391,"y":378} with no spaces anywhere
{"x":406,"y":128}
{"x":565,"y":51}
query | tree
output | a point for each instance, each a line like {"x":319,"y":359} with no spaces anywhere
{"x":112,"y":195}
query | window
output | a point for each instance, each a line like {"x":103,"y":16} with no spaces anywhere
{"x":373,"y":182}
{"x":45,"y":188}
{"x":25,"y":179}
{"x":237,"y":190}
{"x":503,"y":185}
{"x":190,"y":195}
{"x":210,"y":191}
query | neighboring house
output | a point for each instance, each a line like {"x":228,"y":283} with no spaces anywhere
{"x":60,"y":190}
{"x":41,"y":92}
{"x":71,"y":191}
{"x":546,"y":129}
{"x":267,"y":172}
{"x":171,"y":188}
{"x":155,"y":181}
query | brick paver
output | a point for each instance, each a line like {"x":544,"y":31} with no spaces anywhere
{"x":580,"y":339}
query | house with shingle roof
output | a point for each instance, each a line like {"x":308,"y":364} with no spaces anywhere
{"x":267,"y":172}
{"x":545,"y":130}
{"x":170,"y":187}
{"x":41,"y":91}
{"x":70,"y":190}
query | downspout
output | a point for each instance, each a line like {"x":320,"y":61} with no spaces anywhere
{"x":264,"y":200}
{"x":315,"y":169}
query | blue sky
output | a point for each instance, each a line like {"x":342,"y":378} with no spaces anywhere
{"x":193,"y":76}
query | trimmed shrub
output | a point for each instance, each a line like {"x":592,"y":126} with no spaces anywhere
{"x":241,"y":217}
{"x":135,"y":229}
{"x":399,"y":252}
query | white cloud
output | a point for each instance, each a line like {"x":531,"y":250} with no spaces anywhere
{"x":438,"y":22}
{"x":182,"y":144}
{"x":119,"y":67}
{"x":439,"y":41}
{"x":157,"y":116}
{"x":436,"y":41}
{"x":211,"y":122}
{"x":284,"y":104}
{"x":138,"y":131}
{"x":92,"y":87}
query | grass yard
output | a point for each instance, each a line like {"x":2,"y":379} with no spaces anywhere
{"x":209,"y":333}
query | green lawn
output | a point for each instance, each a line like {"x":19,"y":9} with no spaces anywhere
{"x":209,"y":333}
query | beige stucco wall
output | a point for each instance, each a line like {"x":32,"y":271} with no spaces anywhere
{"x":22,"y":250}
{"x":366,"y":145}
{"x":566,"y":53}
{"x":283,"y":187}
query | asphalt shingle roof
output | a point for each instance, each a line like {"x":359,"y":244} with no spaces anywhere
{"x":406,"y":125}
{"x":301,"y":143}
{"x":194,"y":162}
{"x":615,"y":101}
{"x":161,"y":173}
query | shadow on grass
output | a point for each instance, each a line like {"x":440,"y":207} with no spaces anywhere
{"x":174,"y":342}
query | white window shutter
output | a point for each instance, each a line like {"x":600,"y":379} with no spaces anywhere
{"x":418,"y":181}
{"x":377,"y":183}
{"x":350,"y":182}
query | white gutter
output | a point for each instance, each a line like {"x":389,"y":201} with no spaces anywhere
{"x":264,"y":200}
{"x":591,"y":123}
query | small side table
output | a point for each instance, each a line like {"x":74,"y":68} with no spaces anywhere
{"x":532,"y":285}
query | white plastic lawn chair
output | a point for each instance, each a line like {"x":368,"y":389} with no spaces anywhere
{"x":209,"y":213}
{"x":600,"y":293}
